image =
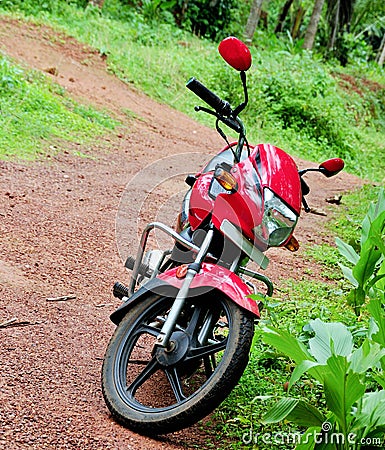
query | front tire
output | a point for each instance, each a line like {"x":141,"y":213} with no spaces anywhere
{"x":152,"y":390}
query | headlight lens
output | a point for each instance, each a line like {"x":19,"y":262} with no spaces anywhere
{"x":277,"y":223}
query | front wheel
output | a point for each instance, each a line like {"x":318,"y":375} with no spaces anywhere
{"x":153,"y":390}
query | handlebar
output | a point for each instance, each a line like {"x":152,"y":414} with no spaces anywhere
{"x":222,"y":107}
{"x":223,"y":112}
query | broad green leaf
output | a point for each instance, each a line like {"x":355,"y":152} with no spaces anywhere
{"x":343,"y":388}
{"x":370,"y":250}
{"x":347,"y":251}
{"x":370,"y":413}
{"x":378,"y":313}
{"x":348,"y":273}
{"x":303,"y":367}
{"x":378,"y":240}
{"x":377,"y":230}
{"x":375,"y":209}
{"x":311,"y":440}
{"x":356,"y":298}
{"x":330,"y":338}
{"x":365,"y":266}
{"x":366,"y":356}
{"x":294,"y":410}
{"x":307,"y":439}
{"x":376,"y":281}
{"x":381,"y":273}
{"x":284,"y":342}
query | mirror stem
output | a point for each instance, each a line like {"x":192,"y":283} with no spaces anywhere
{"x":243,"y":105}
{"x":243,"y":79}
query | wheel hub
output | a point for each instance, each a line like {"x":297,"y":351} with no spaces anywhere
{"x":175,"y":352}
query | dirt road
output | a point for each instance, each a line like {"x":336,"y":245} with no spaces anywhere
{"x":57,"y":231}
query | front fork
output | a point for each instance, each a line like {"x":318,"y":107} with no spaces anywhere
{"x":194,"y":268}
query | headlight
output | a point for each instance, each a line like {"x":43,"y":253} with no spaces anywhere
{"x":278,"y":221}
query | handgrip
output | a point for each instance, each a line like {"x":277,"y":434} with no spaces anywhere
{"x":221,"y":106}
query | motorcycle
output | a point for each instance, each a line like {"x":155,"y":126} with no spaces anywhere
{"x":186,"y":322}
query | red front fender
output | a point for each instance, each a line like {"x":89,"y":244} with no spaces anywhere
{"x":219,"y":278}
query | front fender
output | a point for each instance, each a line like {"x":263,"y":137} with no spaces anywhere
{"x":214,"y":277}
{"x":210,"y":278}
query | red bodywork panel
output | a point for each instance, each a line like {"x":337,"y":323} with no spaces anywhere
{"x":220,"y":278}
{"x":201,"y":204}
{"x":267,"y":166}
{"x":279,"y":172}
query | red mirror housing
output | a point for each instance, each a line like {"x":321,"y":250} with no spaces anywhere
{"x":235,"y":53}
{"x":331,"y":167}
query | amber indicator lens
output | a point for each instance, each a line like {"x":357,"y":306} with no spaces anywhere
{"x":225,"y":179}
{"x":293,"y":244}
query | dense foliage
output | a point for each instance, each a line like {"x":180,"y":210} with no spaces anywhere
{"x":297,"y":102}
{"x":346,"y":30}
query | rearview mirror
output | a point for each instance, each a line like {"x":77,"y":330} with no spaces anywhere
{"x":235,"y":53}
{"x":331,"y":167}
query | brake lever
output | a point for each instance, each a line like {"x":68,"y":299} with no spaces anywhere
{"x":206,"y":110}
{"x":229,"y":121}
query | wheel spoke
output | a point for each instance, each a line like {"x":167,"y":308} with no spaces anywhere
{"x":206,"y":350}
{"x":146,"y":373}
{"x":148,"y":329}
{"x":174,"y":380}
{"x":139,"y":362}
{"x":208,"y":367}
{"x":194,"y":320}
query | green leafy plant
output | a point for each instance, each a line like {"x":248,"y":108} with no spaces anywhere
{"x":333,"y":360}
{"x":368,"y":265}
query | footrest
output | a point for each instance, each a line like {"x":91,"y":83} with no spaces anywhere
{"x":120,"y":291}
{"x":143,"y":269}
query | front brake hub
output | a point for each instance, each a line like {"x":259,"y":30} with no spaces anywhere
{"x":175,"y":352}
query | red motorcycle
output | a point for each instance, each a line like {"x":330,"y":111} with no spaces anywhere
{"x":186,"y":324}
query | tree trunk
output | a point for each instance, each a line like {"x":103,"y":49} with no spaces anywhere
{"x":253,"y":19}
{"x":381,"y":53}
{"x":313,"y":25}
{"x":336,"y":23}
{"x":297,"y":22}
{"x":98,"y":3}
{"x":282,"y":16}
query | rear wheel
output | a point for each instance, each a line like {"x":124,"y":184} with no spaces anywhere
{"x":153,"y":390}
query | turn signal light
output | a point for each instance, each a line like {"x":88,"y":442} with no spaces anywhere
{"x":181,"y":271}
{"x":225,"y":179}
{"x":293,"y":244}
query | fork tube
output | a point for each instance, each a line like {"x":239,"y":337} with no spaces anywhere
{"x":169,"y":325}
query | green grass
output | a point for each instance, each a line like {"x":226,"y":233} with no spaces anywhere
{"x":296,"y":102}
{"x":37,"y":117}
